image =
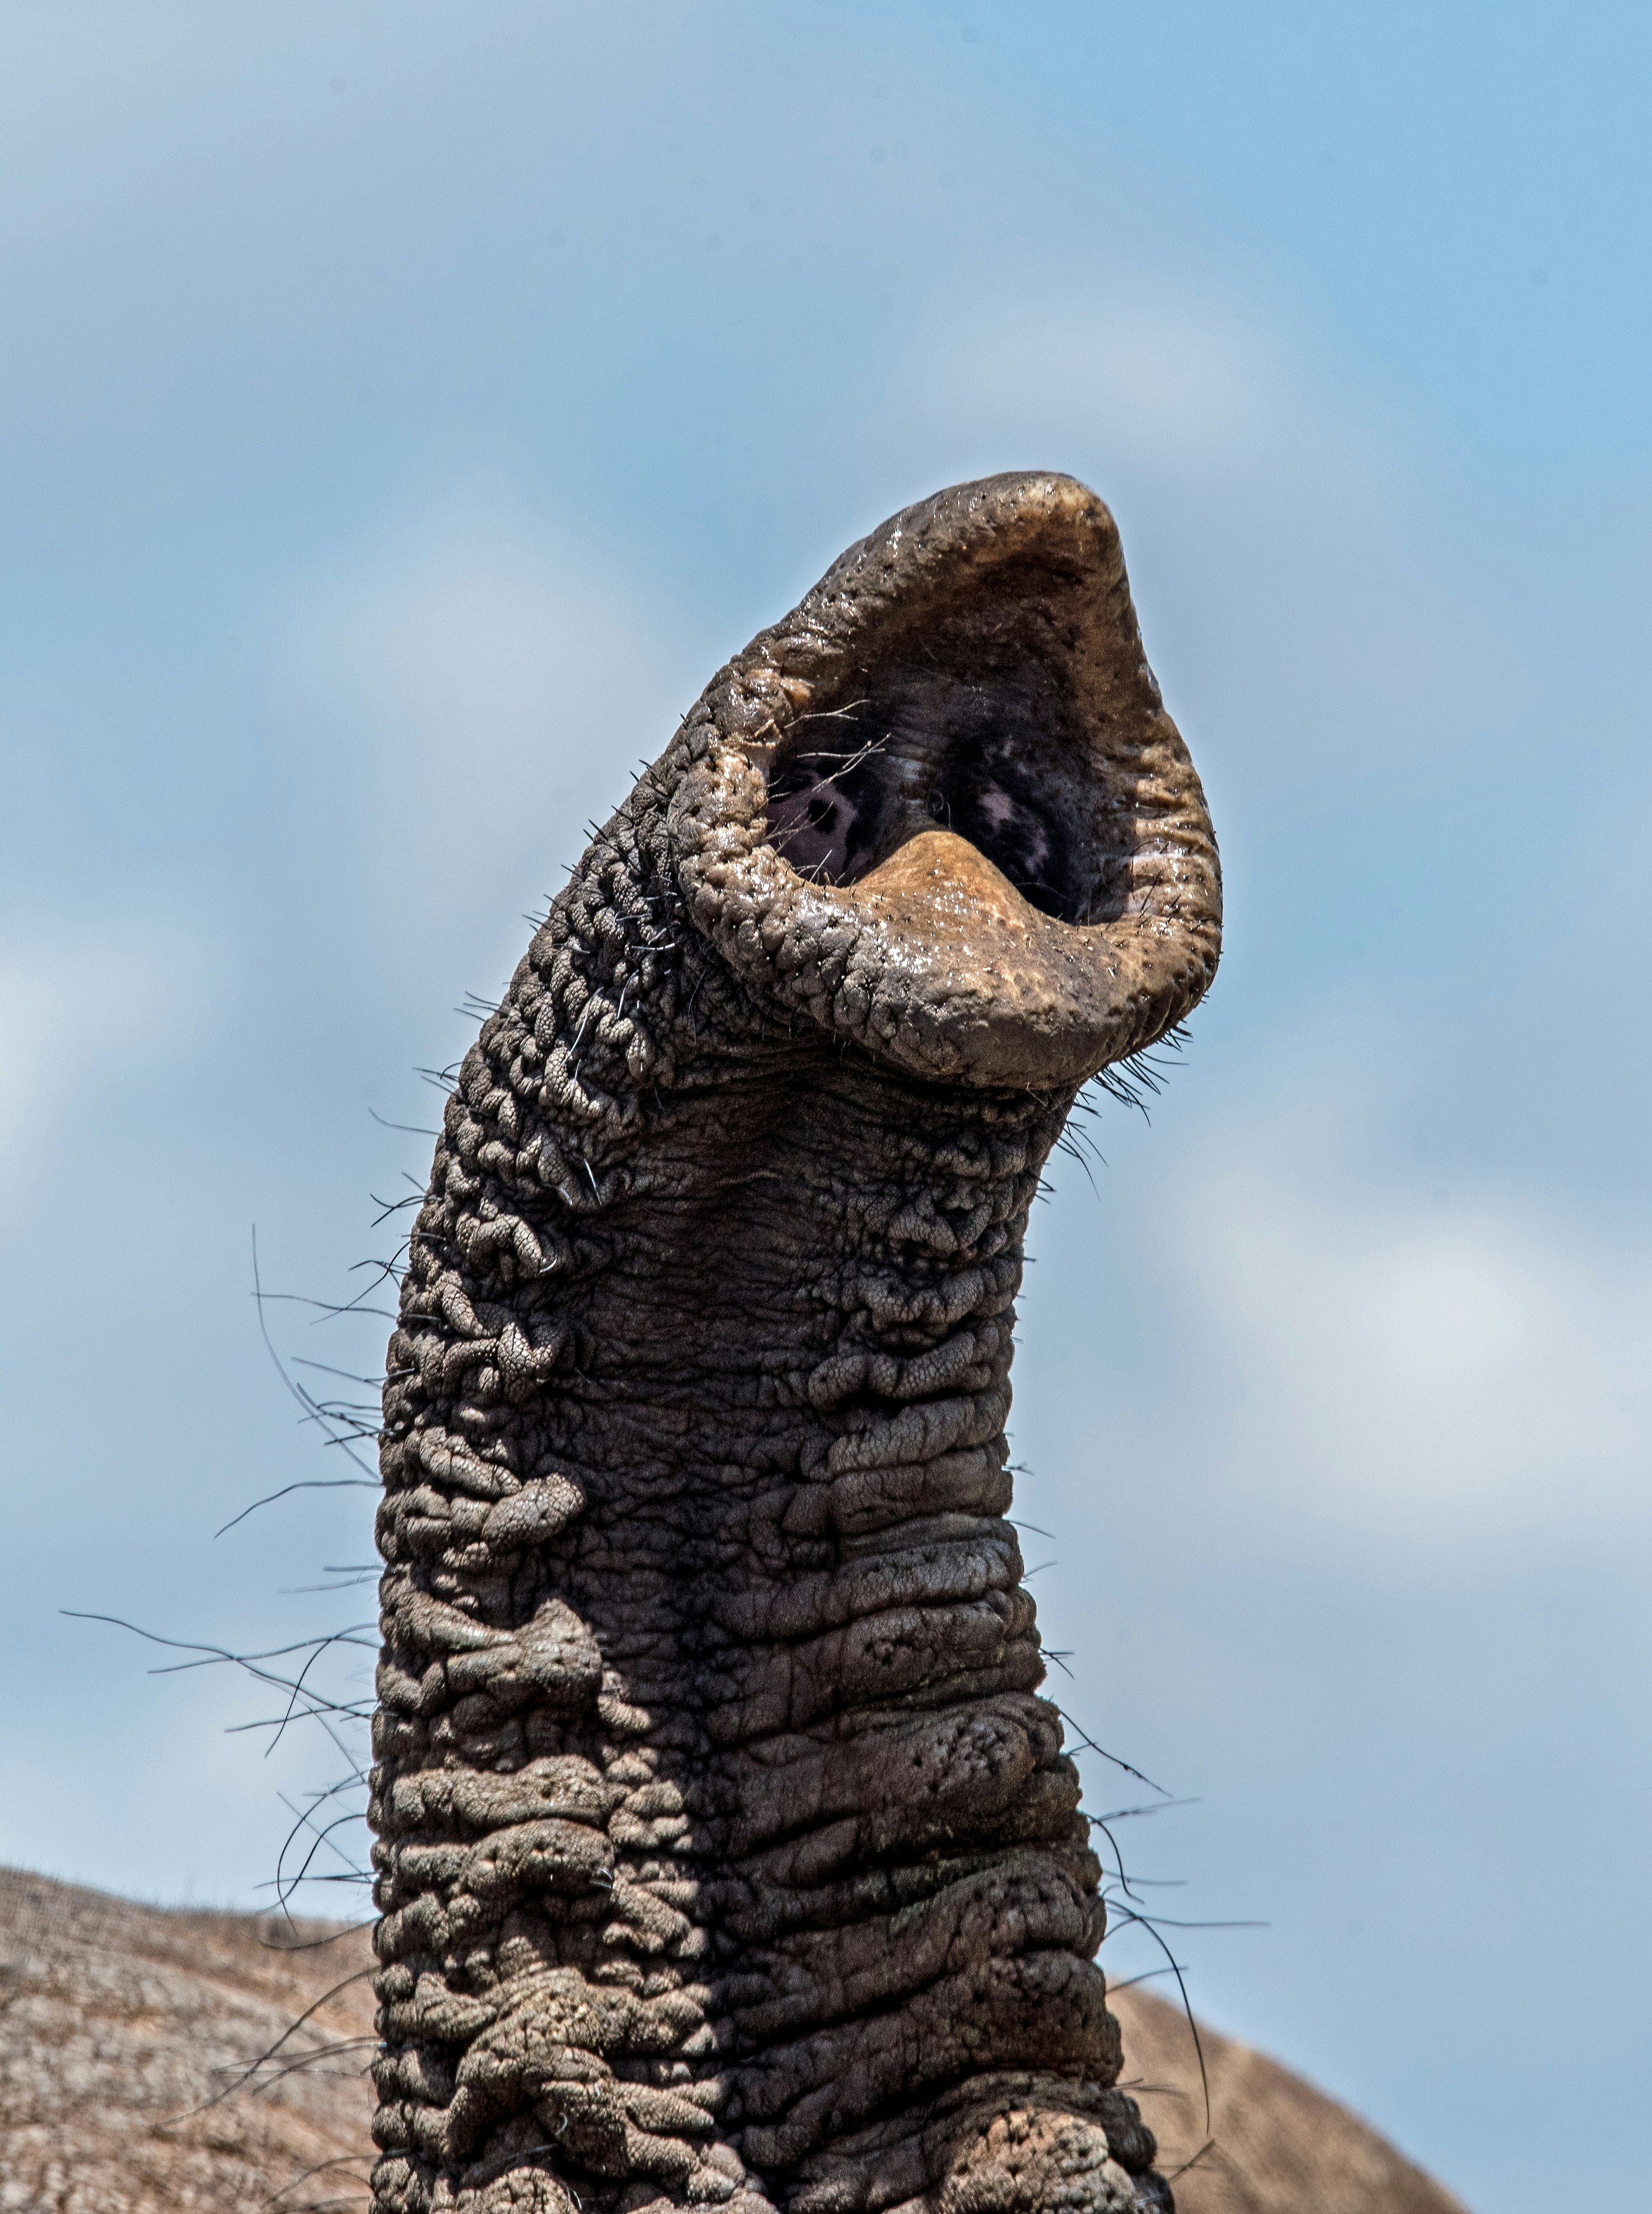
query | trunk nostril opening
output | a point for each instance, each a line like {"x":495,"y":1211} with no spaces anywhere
{"x":1002,"y":757}
{"x":986,"y":798}
{"x":826,"y":804}
{"x":1017,"y":787}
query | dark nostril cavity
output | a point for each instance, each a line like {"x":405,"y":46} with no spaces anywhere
{"x":987,"y":762}
{"x":986,"y":801}
{"x":825,"y":806}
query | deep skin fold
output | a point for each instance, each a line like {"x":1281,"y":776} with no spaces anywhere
{"x":726,"y":1854}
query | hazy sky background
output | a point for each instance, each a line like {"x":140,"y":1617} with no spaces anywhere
{"x":405,"y":408}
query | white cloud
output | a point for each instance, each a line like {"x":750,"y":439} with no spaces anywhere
{"x":502,"y":690}
{"x":1415,"y":1367}
{"x":79,"y":1011}
{"x":1173,"y":381}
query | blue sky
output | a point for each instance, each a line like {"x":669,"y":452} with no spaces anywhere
{"x":406,"y":408}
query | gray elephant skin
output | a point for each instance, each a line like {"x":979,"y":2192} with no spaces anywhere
{"x":727,"y":1855}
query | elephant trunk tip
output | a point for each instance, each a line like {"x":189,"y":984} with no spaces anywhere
{"x":940,"y":806}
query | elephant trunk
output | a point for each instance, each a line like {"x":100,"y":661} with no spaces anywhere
{"x":726,"y":1855}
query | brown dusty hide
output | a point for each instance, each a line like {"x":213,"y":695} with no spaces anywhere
{"x":120,"y":2023}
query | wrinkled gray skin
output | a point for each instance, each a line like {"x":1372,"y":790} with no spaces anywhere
{"x":727,"y":1855}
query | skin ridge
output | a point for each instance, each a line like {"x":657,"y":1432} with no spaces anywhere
{"x":726,"y":1854}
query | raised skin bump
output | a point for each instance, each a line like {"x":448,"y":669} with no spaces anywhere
{"x":727,"y":1855}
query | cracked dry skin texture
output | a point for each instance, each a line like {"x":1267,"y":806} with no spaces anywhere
{"x":727,"y":1854}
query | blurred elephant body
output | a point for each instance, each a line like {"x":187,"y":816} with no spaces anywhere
{"x":727,"y":1854}
{"x":158,"y":2058}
